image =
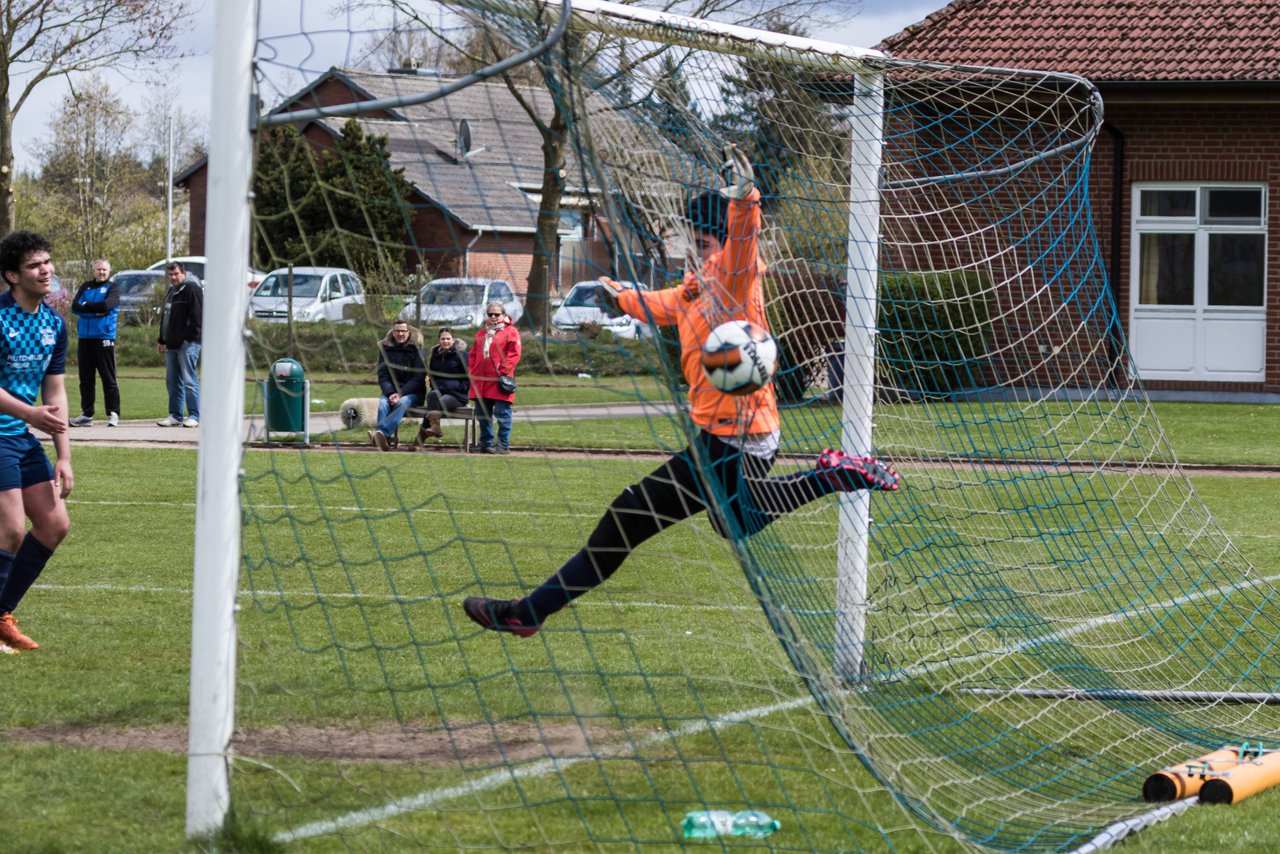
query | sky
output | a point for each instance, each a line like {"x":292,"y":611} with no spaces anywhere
{"x":193,"y":80}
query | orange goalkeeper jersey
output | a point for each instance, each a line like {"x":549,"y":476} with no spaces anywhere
{"x":728,"y":287}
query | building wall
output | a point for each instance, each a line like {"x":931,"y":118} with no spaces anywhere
{"x":197,"y":186}
{"x":1218,"y":136}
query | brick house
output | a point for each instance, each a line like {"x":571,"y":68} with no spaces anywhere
{"x":1186,"y":173}
{"x":475,"y":209}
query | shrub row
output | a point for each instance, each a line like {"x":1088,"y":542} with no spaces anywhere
{"x":932,"y":337}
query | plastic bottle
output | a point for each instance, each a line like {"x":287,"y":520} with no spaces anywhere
{"x":754,"y":823}
{"x":709,"y":824}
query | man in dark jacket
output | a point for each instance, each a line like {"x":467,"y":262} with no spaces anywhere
{"x":179,"y":343}
{"x":96,"y":306}
{"x":402,"y":376}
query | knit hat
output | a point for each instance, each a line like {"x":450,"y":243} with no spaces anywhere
{"x":709,"y":212}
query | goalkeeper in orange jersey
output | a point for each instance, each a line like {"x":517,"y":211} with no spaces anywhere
{"x":725,"y":469}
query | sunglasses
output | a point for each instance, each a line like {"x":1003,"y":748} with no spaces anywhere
{"x":495,"y":314}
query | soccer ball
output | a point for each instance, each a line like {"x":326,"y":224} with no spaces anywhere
{"x":739,"y":357}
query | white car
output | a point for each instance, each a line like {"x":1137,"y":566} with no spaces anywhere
{"x":319,"y":293}
{"x":195,"y":264}
{"x":460,"y":302}
{"x":582,"y":305}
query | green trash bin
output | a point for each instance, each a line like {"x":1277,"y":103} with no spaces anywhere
{"x":287,"y":399}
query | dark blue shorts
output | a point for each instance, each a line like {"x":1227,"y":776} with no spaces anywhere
{"x":23,"y":462}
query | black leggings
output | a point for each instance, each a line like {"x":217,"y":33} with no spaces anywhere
{"x":744,"y":500}
{"x":437,"y":402}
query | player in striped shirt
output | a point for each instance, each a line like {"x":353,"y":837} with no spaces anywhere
{"x":33,"y":356}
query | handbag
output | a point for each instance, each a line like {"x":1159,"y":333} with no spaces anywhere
{"x":506,"y":384}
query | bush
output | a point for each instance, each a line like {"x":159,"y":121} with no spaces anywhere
{"x":352,"y":348}
{"x":932,"y":328}
{"x":600,"y":355}
{"x":933,"y":332}
{"x":805,"y":313}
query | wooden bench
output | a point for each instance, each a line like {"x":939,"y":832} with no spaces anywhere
{"x":360,"y":412}
{"x":467,"y":414}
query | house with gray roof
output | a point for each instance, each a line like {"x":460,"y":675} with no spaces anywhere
{"x":474,"y":159}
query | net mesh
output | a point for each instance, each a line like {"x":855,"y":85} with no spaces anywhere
{"x":1043,"y":584}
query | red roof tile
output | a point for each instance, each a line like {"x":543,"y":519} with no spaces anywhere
{"x":1105,"y":40}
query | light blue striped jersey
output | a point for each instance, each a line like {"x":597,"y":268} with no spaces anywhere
{"x":32,"y":345}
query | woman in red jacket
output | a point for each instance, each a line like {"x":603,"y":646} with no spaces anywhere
{"x":495,"y":354}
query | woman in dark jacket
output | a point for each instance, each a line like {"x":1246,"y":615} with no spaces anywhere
{"x":447,"y":374}
{"x":402,"y":378}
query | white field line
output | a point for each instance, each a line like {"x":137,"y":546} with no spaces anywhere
{"x":524,"y":513}
{"x":1106,"y":619}
{"x":1089,"y":625}
{"x":541,"y":768}
{"x":245,"y":594}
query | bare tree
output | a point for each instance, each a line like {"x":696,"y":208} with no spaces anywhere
{"x":44,"y":39}
{"x":91,"y":178}
{"x":399,"y":46}
{"x":479,"y":47}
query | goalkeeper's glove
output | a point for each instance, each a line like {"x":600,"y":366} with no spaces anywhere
{"x":742,"y":178}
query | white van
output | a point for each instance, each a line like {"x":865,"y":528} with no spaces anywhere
{"x":460,"y":302}
{"x":195,"y":264}
{"x":319,"y":293}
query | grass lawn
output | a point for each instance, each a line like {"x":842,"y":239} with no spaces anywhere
{"x":1200,"y":433}
{"x":349,"y":629}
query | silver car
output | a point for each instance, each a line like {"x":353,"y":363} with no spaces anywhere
{"x":460,"y":302}
{"x":319,"y":293}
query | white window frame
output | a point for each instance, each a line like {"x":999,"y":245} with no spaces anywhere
{"x":1199,"y":324}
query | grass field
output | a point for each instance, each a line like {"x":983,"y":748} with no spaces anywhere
{"x":1201,"y":433}
{"x":352,"y":634}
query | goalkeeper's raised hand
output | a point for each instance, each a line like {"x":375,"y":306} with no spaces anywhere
{"x":608,"y":291}
{"x":741,"y":176}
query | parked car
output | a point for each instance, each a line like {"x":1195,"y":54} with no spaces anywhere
{"x":582,"y":305}
{"x":195,"y":264}
{"x":319,"y":293}
{"x":138,"y":293}
{"x":460,"y":302}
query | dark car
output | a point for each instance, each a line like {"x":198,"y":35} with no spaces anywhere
{"x":138,"y":293}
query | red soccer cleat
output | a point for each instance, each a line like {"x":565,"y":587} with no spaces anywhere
{"x":849,"y":474}
{"x":498,"y":615}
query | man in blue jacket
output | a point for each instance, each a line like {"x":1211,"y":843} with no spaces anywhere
{"x":96,"y":305}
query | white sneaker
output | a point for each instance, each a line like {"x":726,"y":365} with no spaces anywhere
{"x":169,"y":421}
{"x":191,"y":422}
{"x":113,"y":419}
{"x":81,"y":421}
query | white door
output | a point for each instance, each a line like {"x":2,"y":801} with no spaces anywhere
{"x":1198,"y":270}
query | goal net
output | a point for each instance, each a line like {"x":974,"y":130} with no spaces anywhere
{"x":995,"y":656}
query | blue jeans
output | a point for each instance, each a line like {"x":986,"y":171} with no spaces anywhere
{"x":182,"y":380}
{"x":389,"y":416}
{"x":500,"y":411}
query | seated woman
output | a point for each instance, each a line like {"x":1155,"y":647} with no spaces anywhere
{"x":402,"y":379}
{"x":447,"y":376}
